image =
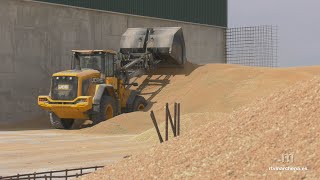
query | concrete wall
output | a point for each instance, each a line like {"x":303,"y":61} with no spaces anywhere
{"x":36,"y":39}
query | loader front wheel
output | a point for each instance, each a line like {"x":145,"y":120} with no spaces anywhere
{"x":58,"y":123}
{"x":139,"y":103}
{"x":107,"y":110}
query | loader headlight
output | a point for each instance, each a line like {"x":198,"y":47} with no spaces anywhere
{"x":44,"y":100}
{"x":81,"y":101}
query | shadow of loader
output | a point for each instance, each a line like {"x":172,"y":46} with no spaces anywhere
{"x":160,"y":78}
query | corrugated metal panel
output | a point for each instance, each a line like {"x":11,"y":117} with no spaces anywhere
{"x":212,"y":12}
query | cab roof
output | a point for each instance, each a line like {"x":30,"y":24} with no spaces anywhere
{"x":77,"y":73}
{"x":94,"y":51}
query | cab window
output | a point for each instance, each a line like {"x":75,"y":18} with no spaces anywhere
{"x":85,"y":87}
{"x":91,"y":62}
{"x":109,"y":65}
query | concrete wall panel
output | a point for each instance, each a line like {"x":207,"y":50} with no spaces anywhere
{"x":6,"y":38}
{"x":113,"y":24}
{"x":32,"y":16}
{"x":7,"y":65}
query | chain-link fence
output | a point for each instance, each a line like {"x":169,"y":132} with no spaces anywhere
{"x":253,"y":46}
{"x":49,"y":175}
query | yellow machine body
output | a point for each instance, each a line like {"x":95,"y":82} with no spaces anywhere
{"x":79,"y":107}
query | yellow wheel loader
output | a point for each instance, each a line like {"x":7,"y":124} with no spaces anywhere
{"x":98,"y":85}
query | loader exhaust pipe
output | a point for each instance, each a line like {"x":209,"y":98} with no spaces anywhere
{"x":76,"y":62}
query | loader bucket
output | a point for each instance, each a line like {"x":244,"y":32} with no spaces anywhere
{"x":165,"y":43}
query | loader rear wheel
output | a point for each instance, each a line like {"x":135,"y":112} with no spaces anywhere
{"x":58,"y":123}
{"x":107,"y":110}
{"x":139,"y":103}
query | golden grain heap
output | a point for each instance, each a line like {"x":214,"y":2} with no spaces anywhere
{"x":239,"y":122}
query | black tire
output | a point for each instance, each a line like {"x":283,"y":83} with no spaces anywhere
{"x":139,"y":103}
{"x":58,"y":123}
{"x":107,"y":103}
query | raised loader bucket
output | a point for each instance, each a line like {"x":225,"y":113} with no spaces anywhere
{"x":165,"y":43}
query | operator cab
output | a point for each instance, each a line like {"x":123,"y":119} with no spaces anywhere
{"x":68,"y":85}
{"x":100,"y":60}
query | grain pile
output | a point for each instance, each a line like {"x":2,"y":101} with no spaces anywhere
{"x":213,"y":88}
{"x":131,"y":123}
{"x":241,"y":145}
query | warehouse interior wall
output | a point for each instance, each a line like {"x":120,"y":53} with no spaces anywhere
{"x":36,"y":40}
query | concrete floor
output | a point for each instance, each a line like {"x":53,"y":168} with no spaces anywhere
{"x":45,"y":150}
